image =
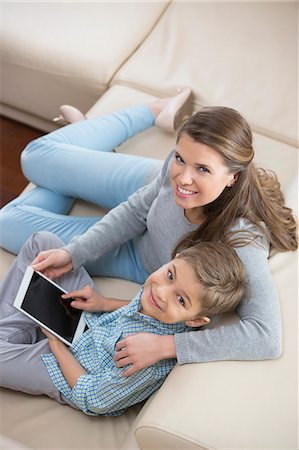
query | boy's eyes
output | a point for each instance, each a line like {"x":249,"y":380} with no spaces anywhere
{"x":181,"y":300}
{"x":179,"y":297}
{"x":169,"y":275}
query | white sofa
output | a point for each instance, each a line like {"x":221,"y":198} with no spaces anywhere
{"x":242,"y":55}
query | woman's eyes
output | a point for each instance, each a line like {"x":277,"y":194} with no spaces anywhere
{"x":180,"y":160}
{"x":203,"y":169}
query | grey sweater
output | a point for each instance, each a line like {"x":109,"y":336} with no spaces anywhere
{"x":155,"y":223}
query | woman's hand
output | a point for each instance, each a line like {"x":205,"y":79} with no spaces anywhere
{"x":87,"y":299}
{"x":53,"y":263}
{"x":141,"y":350}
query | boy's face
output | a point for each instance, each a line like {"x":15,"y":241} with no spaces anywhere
{"x":171,"y":294}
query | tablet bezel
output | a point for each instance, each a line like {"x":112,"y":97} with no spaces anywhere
{"x":25,"y":284}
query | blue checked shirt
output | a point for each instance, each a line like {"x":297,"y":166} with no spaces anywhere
{"x":103,"y":390}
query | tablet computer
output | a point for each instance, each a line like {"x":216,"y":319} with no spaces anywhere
{"x":40,"y":299}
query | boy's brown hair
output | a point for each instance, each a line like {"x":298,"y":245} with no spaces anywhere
{"x":221,"y":273}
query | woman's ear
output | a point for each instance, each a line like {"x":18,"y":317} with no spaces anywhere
{"x":198,"y":322}
{"x":234,"y":179}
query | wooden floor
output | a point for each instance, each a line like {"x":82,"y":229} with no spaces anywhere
{"x":14,"y":136}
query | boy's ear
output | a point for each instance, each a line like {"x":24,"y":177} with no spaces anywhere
{"x":198,"y":322}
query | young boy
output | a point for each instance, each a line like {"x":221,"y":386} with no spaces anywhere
{"x":181,"y":295}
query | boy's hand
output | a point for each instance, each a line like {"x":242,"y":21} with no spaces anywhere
{"x":50,"y":336}
{"x":53,"y":263}
{"x":89,"y":300}
{"x":68,"y":364}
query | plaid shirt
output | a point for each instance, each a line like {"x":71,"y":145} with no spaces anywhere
{"x":103,"y":390}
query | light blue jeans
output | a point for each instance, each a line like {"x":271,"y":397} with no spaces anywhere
{"x":77,"y":161}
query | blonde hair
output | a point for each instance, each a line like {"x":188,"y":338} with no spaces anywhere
{"x":221,"y":274}
{"x":256,"y":194}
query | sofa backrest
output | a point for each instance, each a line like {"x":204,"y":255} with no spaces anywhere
{"x":238,"y":54}
{"x":66,"y":52}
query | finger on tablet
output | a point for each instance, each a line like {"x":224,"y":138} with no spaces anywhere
{"x":80,"y":304}
{"x":75,"y":294}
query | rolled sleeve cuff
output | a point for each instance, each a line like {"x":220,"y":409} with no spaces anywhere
{"x":79,"y":393}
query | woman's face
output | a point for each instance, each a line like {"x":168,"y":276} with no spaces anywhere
{"x":198,"y":174}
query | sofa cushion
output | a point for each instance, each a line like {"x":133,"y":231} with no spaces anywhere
{"x":9,"y":444}
{"x":39,"y":422}
{"x":67,"y":52}
{"x":238,"y":54}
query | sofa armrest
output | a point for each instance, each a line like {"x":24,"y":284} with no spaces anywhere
{"x":219,"y":405}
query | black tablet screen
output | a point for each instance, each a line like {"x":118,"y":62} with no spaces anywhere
{"x":43,"y":301}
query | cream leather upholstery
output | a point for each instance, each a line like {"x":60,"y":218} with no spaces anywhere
{"x":65,"y":52}
{"x":232,"y":54}
{"x":239,"y":55}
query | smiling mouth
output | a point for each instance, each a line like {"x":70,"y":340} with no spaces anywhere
{"x":153,"y":301}
{"x":184,"y":192}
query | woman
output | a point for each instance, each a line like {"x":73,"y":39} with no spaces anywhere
{"x":208,"y":189}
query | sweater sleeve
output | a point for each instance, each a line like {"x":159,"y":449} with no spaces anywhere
{"x":119,"y":225}
{"x":256,"y":334}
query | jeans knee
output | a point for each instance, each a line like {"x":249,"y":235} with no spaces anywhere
{"x":7,"y":224}
{"x":30,"y":155}
{"x":30,"y":148}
